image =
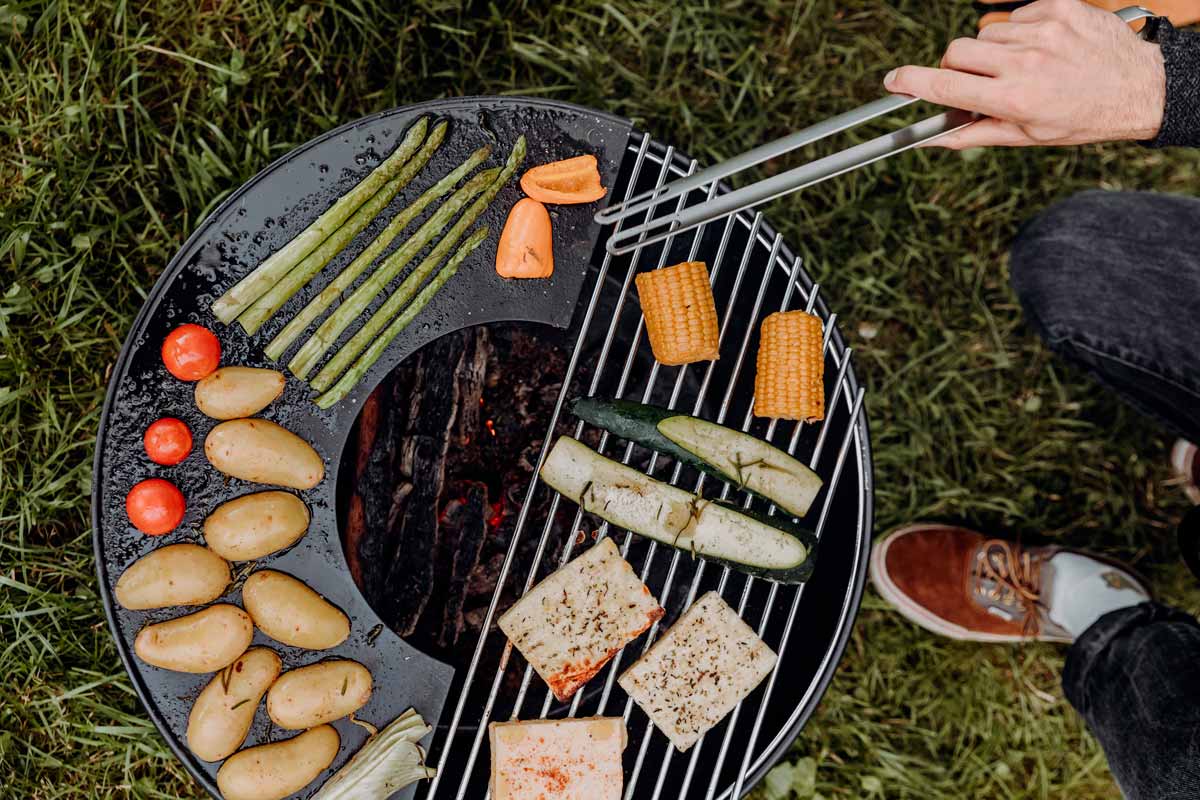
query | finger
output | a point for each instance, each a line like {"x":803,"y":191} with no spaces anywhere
{"x":1005,"y":33}
{"x":947,"y":87}
{"x":1044,"y":9}
{"x":993,"y":18}
{"x":972,"y":55}
{"x":1029,"y":13}
{"x":984,"y":133}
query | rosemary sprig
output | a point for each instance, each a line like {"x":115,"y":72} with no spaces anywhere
{"x":695,"y":509}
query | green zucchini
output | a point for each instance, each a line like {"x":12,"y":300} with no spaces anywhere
{"x":733,"y":456}
{"x":767,"y":547}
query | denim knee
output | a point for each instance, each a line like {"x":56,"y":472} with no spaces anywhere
{"x":1111,"y":281}
{"x":1054,"y":269}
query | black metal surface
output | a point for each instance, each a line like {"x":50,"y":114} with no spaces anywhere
{"x":253,"y":222}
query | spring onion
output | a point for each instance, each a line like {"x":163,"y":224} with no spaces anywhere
{"x":389,"y":761}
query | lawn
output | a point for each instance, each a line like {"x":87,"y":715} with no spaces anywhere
{"x":123,"y":124}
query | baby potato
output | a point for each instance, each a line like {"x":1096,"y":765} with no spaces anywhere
{"x":256,"y":525}
{"x":224,"y":711}
{"x":235,"y":392}
{"x":175,"y":575}
{"x":288,"y":611}
{"x":259,"y":450}
{"x":274,"y":771}
{"x":206,"y":641}
{"x":318,"y":693}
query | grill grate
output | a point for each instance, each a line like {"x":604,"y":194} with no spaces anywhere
{"x":742,"y":244}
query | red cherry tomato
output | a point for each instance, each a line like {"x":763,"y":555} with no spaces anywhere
{"x":168,"y":441}
{"x":155,"y":506}
{"x":191,"y":352}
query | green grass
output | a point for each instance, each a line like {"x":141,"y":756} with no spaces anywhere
{"x":123,"y":124}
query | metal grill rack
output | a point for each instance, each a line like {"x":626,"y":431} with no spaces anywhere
{"x":753,"y":273}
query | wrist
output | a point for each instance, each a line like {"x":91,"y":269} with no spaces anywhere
{"x":1149,"y":98}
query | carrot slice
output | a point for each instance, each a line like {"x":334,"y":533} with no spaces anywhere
{"x":526,"y":245}
{"x":573,"y":180}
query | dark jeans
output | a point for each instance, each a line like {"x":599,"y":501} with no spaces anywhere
{"x":1111,"y":280}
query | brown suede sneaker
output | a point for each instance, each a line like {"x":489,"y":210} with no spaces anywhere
{"x":1185,"y":461}
{"x":958,"y":583}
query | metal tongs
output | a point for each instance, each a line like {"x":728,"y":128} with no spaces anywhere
{"x":657,"y":229}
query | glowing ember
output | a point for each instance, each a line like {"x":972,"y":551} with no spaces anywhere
{"x":497,"y":514}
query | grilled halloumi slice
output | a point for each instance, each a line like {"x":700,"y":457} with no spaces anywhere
{"x":702,"y":667}
{"x":579,"y":617}
{"x":548,"y":759}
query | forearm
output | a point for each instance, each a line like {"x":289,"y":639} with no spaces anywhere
{"x":1181,"y":114}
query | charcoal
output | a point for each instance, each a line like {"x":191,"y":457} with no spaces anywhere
{"x":373,"y":490}
{"x":432,"y":410}
{"x":472,"y":527}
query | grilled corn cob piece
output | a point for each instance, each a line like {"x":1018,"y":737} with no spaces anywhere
{"x":791,"y":365}
{"x":681,"y":315}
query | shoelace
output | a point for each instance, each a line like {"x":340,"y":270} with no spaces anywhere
{"x":1016,"y":580}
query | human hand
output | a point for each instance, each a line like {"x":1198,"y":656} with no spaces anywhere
{"x":1059,"y":72}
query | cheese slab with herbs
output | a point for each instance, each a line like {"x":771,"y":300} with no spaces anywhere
{"x":579,"y":617}
{"x":702,"y":667}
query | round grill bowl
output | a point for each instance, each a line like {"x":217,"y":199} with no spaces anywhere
{"x":591,"y":299}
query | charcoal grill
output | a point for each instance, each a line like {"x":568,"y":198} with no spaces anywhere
{"x":753,"y":273}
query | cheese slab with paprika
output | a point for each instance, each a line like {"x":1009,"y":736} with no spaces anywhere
{"x":563,"y":759}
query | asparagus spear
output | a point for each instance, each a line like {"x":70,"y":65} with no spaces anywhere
{"x":229,"y":305}
{"x":283,"y":340}
{"x":372,"y":353}
{"x":413,"y":282}
{"x":265,"y":307}
{"x":354,"y":305}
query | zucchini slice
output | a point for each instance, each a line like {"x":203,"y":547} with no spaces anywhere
{"x":733,"y":456}
{"x":768,"y":547}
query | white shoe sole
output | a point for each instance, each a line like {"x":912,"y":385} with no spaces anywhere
{"x":917,"y":613}
{"x":1183,"y":454}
